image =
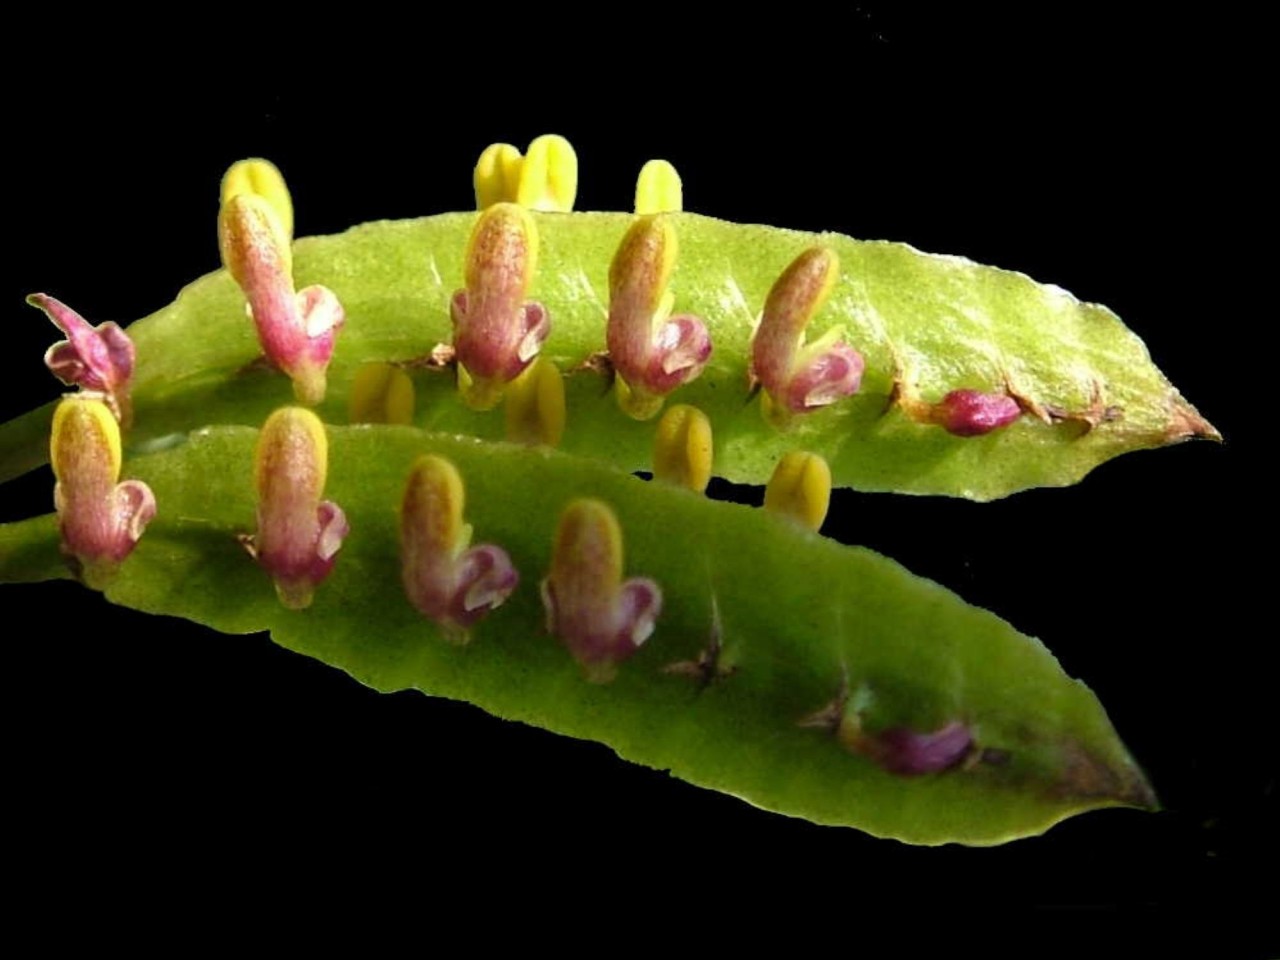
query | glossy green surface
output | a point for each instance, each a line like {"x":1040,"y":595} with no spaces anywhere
{"x":953,"y":323}
{"x":797,"y":614}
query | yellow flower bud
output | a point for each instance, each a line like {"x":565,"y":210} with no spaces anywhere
{"x":658,"y":189}
{"x":381,"y":393}
{"x":534,"y":405}
{"x":682,"y":451}
{"x":800,"y":488}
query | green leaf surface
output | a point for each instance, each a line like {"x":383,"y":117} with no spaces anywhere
{"x":952,"y":323}
{"x":799,"y":616}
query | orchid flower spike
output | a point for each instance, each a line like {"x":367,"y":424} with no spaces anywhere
{"x":496,"y":331}
{"x":296,"y":329}
{"x":446,"y":579}
{"x":97,"y":359}
{"x":299,"y":534}
{"x":799,"y":377}
{"x":651,"y":351}
{"x":99,"y":518}
{"x":601,"y":619}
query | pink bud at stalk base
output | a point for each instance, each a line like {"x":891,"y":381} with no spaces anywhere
{"x":971,"y":413}
{"x":909,"y":753}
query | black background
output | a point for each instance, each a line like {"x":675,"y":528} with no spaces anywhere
{"x":1115,"y":162}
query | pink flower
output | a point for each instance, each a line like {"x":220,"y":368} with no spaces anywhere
{"x":600,"y":618}
{"x":652,"y":352}
{"x":496,"y":331}
{"x":100,"y":519}
{"x":296,"y":329}
{"x":447,"y":580}
{"x":799,"y":377}
{"x":299,"y":534}
{"x":98,"y":359}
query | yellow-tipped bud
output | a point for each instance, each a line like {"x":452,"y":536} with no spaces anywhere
{"x":800,"y":488}
{"x":535,"y":405}
{"x":497,"y":175}
{"x":658,"y":189}
{"x":381,"y":393}
{"x":260,"y":177}
{"x":545,"y":178}
{"x":682,"y":451}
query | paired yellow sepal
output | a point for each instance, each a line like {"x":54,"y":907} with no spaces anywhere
{"x":261,"y":178}
{"x":800,"y":488}
{"x":381,"y":393}
{"x":497,"y":175}
{"x":534,"y":405}
{"x":682,"y":451}
{"x":545,"y":178}
{"x":658,"y":189}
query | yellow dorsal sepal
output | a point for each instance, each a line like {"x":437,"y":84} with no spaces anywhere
{"x":658,"y":189}
{"x":544,"y":178}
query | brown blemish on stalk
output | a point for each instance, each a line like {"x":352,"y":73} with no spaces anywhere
{"x":1026,"y":403}
{"x":1185,"y":422}
{"x":442,"y":357}
{"x":1086,"y":420}
{"x":1086,"y":777}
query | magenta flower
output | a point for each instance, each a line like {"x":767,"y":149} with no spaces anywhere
{"x":97,"y":359}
